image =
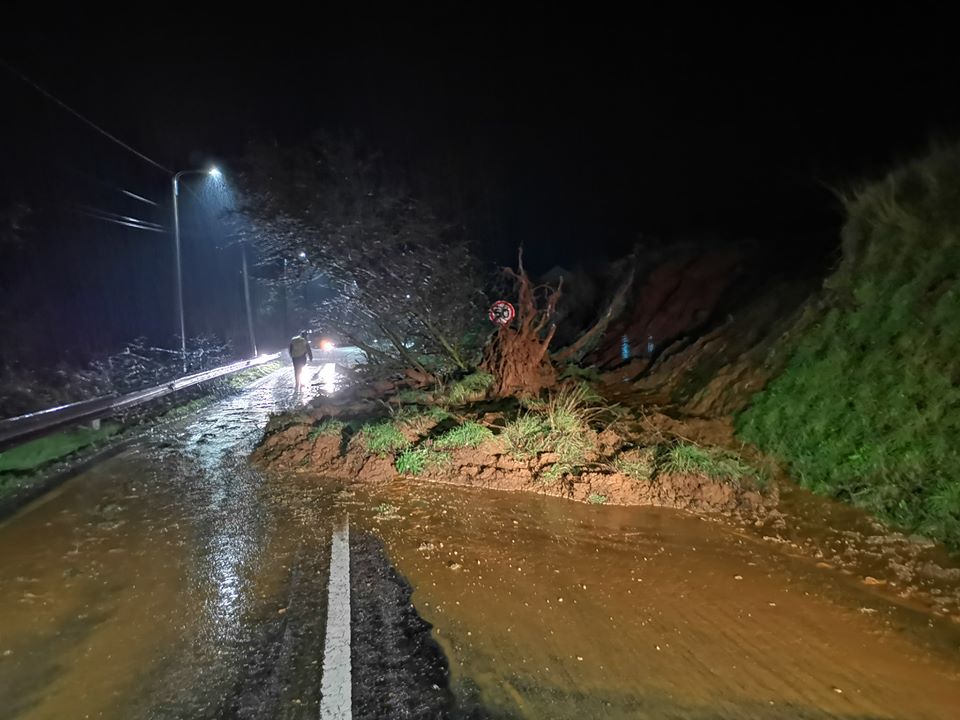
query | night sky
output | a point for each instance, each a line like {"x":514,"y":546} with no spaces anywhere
{"x":570,"y":135}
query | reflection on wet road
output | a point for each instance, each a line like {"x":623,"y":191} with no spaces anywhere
{"x":143,"y":586}
{"x":175,"y":581}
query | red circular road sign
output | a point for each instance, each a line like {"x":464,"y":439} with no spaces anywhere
{"x":501,"y":312}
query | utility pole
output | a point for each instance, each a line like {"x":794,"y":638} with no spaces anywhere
{"x":246,"y":296}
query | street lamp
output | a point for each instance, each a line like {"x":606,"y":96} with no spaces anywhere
{"x":212,"y":172}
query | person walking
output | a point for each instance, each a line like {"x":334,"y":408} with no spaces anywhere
{"x":300,"y":352}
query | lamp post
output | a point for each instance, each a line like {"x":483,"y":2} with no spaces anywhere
{"x":212,"y":172}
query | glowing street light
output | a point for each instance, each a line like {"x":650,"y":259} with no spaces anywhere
{"x":214,"y":173}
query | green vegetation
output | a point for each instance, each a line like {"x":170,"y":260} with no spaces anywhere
{"x":240,"y":380}
{"x":868,"y":407}
{"x":35,"y":454}
{"x":328,"y":428}
{"x":526,"y":436}
{"x":641,"y":468}
{"x":470,"y":434}
{"x":412,"y":397}
{"x":716,"y":463}
{"x":415,"y":460}
{"x":419,"y":420}
{"x":384,"y":509}
{"x":382,"y":438}
{"x":590,"y":395}
{"x":597,"y":499}
{"x":559,"y":425}
{"x":470,"y":388}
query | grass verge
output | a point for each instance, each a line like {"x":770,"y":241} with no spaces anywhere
{"x":35,"y":454}
{"x":867,"y":409}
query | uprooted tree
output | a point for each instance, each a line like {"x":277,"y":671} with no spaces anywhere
{"x":404,"y":286}
{"x":518,"y":354}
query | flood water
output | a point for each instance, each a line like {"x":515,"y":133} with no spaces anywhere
{"x":547,"y":608}
{"x":151,"y":586}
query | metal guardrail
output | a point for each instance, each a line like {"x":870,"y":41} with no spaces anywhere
{"x":35,"y":424}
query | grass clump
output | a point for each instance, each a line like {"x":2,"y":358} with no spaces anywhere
{"x":868,"y":407}
{"x":597,"y":499}
{"x":412,"y":397}
{"x":328,"y":428}
{"x":639,"y":466}
{"x":382,"y":438}
{"x":469,"y":388}
{"x":560,"y":425}
{"x":689,"y":459}
{"x":526,"y":436}
{"x":468,"y":435}
{"x":419,"y":420}
{"x":415,"y":460}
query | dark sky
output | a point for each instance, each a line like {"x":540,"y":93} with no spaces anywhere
{"x":705,"y":122}
{"x":570,"y":134}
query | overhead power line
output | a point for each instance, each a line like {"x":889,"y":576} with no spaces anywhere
{"x":139,"y":197}
{"x":118,"y":219}
{"x":80,"y":117}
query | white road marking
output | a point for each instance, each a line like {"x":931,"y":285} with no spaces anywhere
{"x":336,"y":685}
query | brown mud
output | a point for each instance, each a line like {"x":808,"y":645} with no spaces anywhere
{"x":560,"y":610}
{"x":908,"y":570}
{"x":296,"y":449}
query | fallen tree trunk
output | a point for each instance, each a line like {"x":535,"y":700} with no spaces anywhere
{"x":589,"y":340}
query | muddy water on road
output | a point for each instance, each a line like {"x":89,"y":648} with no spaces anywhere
{"x":157,"y":585}
{"x":550,"y":609}
{"x":144,"y":586}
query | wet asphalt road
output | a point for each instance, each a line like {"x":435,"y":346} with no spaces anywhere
{"x":176,"y":581}
{"x":158,"y":584}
